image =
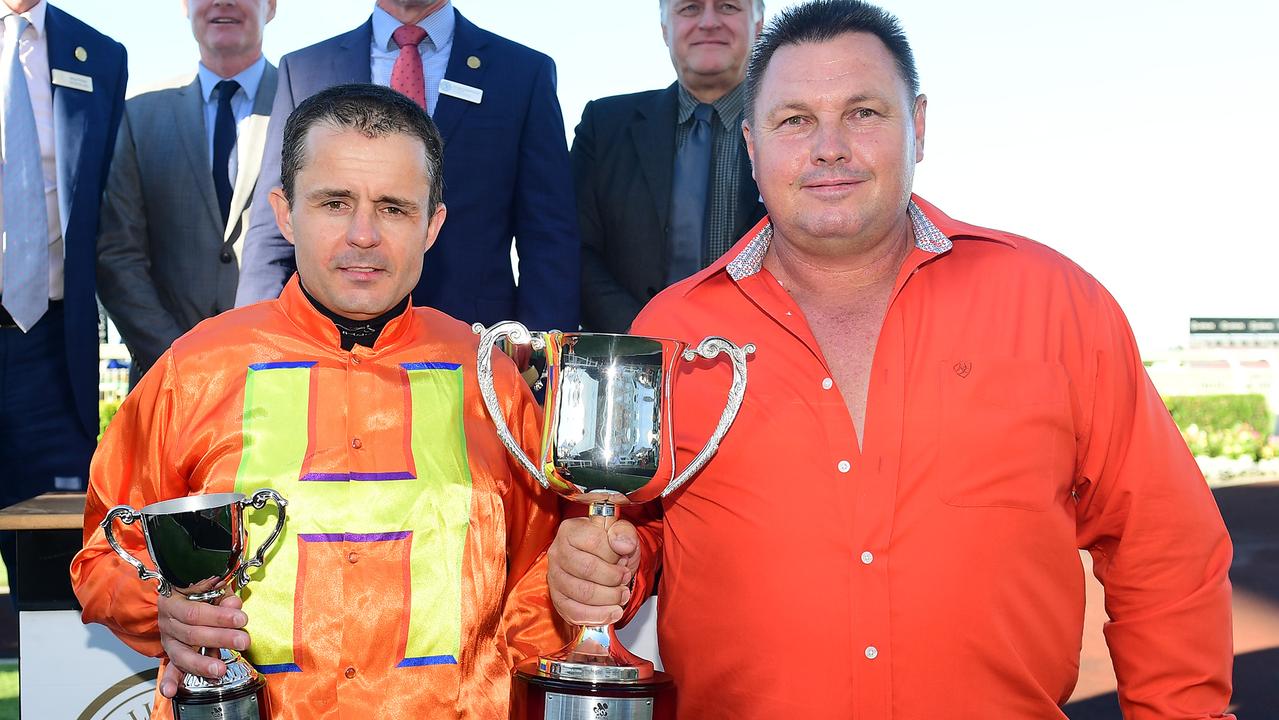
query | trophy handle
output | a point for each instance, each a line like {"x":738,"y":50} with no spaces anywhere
{"x":484,"y":375}
{"x":709,"y":348}
{"x":259,"y":501}
{"x":128,"y":516}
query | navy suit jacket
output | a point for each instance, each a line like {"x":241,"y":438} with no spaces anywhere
{"x":506,"y":174}
{"x":85,"y":125}
{"x":623,"y":167}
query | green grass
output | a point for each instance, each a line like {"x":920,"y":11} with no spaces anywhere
{"x":9,"y":692}
{"x":8,"y":671}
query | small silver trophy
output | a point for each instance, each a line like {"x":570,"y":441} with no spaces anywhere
{"x":198,"y":546}
{"x":607,"y":440}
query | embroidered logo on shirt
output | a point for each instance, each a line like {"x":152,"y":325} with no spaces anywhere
{"x":962,"y":368}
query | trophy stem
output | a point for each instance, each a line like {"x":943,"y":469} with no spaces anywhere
{"x":603,"y":513}
{"x":595,"y":654}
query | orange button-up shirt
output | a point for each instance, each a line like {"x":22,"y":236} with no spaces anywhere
{"x":934,"y":572}
{"x":410,"y":574}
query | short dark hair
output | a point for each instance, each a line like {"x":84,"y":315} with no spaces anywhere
{"x":374,"y":112}
{"x":822,"y":20}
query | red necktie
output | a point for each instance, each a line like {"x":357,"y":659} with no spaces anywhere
{"x":406,"y":76}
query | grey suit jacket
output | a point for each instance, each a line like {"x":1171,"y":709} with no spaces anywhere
{"x":165,"y":259}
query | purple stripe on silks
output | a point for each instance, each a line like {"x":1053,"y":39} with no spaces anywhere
{"x":322,"y":537}
{"x":377,"y":477}
{"x":355,"y":537}
{"x":431,"y":366}
{"x":379,"y":537}
{"x":357,"y":477}
{"x":282,"y":365}
{"x":325,"y":477}
{"x":427,"y":660}
{"x":281,"y":668}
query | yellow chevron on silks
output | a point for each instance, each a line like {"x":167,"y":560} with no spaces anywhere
{"x":427,"y":505}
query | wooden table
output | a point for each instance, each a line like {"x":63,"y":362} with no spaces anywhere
{"x":48,"y":530}
{"x":52,"y":511}
{"x":68,"y":669}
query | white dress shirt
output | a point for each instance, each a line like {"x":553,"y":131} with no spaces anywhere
{"x":434,"y":50}
{"x":34,"y":56}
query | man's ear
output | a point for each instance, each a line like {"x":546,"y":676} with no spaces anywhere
{"x":283,"y":213}
{"x":921,"y":109}
{"x":433,"y":228}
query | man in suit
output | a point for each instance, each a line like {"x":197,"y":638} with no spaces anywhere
{"x":177,"y":200}
{"x":663,"y":180}
{"x":62,"y":84}
{"x":506,"y":168}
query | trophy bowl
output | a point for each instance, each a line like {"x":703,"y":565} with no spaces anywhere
{"x":607,"y":440}
{"x":198,"y":546}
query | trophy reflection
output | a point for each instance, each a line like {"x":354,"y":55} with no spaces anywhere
{"x":607,"y":440}
{"x":198,"y":546}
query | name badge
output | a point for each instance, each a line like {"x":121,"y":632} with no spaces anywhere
{"x":75,"y":81}
{"x":461,"y":92}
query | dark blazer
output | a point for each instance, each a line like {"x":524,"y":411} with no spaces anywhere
{"x":166,"y":259}
{"x":85,"y":128}
{"x":506,"y":174}
{"x":623,"y":163}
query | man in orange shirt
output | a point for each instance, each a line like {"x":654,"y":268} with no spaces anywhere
{"x":938,"y":417}
{"x":408,"y":578}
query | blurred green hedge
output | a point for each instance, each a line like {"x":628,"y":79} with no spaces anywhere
{"x":106,"y":410}
{"x":1220,"y":412}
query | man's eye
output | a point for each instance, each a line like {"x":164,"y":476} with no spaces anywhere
{"x":393,"y":210}
{"x":864,"y":113}
{"x":728,"y":8}
{"x":794,"y":121}
{"x":335,"y":205}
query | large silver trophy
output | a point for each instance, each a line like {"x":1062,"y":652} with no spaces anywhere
{"x":607,"y":440}
{"x":198,"y":545}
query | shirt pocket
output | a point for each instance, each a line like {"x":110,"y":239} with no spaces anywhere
{"x":1007,"y":436}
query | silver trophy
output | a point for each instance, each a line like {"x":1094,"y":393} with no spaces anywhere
{"x":607,"y":440}
{"x":198,"y":546}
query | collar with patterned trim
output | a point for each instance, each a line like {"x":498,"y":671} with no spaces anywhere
{"x":928,"y":237}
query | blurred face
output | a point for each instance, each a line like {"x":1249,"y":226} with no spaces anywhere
{"x":710,"y":39}
{"x":360,"y":219}
{"x":834,"y":140}
{"x":229,"y":26}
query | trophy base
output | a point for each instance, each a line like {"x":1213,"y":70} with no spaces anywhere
{"x":535,"y":696}
{"x":239,"y":695}
{"x":249,"y":702}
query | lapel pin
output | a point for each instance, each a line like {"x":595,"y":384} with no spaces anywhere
{"x":81,"y":55}
{"x":473,"y":62}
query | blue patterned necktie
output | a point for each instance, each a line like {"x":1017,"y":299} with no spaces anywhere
{"x":223,"y":143}
{"x":26,"y":219}
{"x":689,"y":197}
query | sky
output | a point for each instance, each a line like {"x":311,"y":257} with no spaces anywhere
{"x":1137,"y":137}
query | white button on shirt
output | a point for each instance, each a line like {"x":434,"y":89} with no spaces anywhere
{"x":827,"y":383}
{"x":33,"y":53}
{"x":867,"y":558}
{"x":845,"y":466}
{"x":872,"y":652}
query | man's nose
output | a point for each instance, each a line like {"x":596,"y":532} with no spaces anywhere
{"x":363,"y":231}
{"x":710,"y":18}
{"x":830,"y":144}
